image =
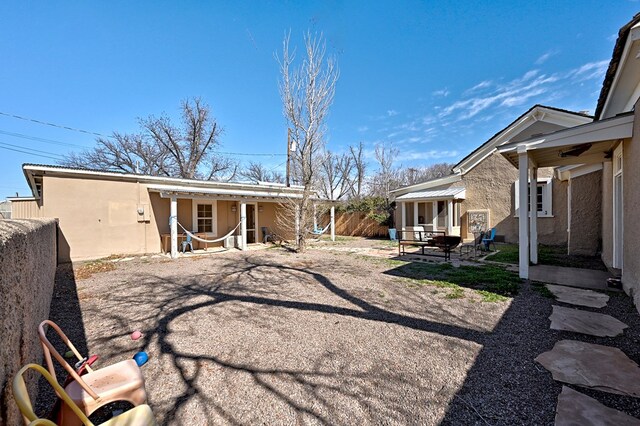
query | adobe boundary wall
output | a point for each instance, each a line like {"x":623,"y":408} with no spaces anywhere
{"x":27,"y":273}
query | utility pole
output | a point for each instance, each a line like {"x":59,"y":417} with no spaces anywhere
{"x":288,"y":156}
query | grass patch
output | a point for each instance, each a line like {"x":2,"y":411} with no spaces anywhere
{"x":547,"y":255}
{"x":542,"y":289}
{"x":492,"y":282}
{"x":86,"y":270}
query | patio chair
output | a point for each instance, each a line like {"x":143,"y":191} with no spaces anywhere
{"x":266,"y":235}
{"x":140,"y":415}
{"x":122,"y":381}
{"x":187,"y":242}
{"x":488,"y":240}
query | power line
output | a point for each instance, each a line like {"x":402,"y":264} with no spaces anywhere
{"x":20,"y":135}
{"x":34,"y":152}
{"x":39,"y":139}
{"x":45,"y":123}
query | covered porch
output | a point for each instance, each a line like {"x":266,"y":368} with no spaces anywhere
{"x":593,"y":143}
{"x":220,"y":217}
{"x":432,"y":210}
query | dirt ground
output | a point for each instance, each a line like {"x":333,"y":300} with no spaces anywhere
{"x":325,"y":337}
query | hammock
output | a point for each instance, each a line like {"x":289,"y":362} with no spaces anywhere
{"x":319,"y":231}
{"x":195,"y":237}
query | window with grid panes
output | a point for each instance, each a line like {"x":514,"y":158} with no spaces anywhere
{"x":205,"y":218}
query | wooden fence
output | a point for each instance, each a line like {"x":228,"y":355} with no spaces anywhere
{"x":357,"y":224}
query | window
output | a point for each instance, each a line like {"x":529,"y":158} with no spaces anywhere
{"x":543,"y":198}
{"x":204,"y":216}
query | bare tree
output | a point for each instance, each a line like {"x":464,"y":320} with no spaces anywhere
{"x":161,"y":148}
{"x":307,"y":92}
{"x":360,"y":166}
{"x":414,"y":175}
{"x":335,"y":175}
{"x":385,"y":178}
{"x":128,"y":153}
{"x":257,"y":172}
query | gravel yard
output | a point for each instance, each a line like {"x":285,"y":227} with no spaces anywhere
{"x":273,"y":337}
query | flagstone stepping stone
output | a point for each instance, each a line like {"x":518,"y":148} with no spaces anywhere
{"x":578,"y":296}
{"x":592,"y":323}
{"x":576,"y":409}
{"x":592,"y":366}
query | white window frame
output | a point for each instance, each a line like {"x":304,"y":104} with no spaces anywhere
{"x":214,"y":215}
{"x":547,"y":198}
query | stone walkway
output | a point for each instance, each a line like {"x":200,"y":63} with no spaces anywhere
{"x":584,"y":364}
{"x":571,"y":277}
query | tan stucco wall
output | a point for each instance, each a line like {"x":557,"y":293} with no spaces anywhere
{"x":631,"y":196}
{"x":99,"y":218}
{"x":607,"y":214}
{"x":27,"y":272}
{"x":491,"y":186}
{"x":586,"y":211}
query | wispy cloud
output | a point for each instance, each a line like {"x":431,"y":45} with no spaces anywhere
{"x":482,"y":85}
{"x":590,"y":70}
{"x":363,"y":129}
{"x":545,"y":57}
{"x":433,"y":154}
{"x":442,"y":93}
{"x":392,"y":113}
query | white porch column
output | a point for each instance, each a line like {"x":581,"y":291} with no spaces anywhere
{"x":415,"y":214}
{"x":449,"y":217}
{"x":533,"y":224}
{"x":434,"y":210}
{"x":333,"y":223}
{"x":523,"y":228}
{"x":315,"y":217}
{"x":297,"y":221}
{"x":403,"y":215}
{"x":173,"y":226}
{"x":243,"y":225}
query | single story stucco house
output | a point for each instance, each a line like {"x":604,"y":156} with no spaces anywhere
{"x":611,"y":143}
{"x":482,"y":190}
{"x":101,"y":212}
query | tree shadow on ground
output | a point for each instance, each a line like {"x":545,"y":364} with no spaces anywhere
{"x":170,"y":299}
{"x":65,"y":311}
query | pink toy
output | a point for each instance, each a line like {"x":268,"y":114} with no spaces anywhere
{"x":136,"y":335}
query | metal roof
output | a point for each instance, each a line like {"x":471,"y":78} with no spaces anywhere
{"x":455,"y":193}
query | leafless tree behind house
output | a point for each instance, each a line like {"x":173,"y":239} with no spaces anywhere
{"x":336,"y":171}
{"x":307,"y":92}
{"x":257,"y":172}
{"x":360,"y":168}
{"x":164,"y":149}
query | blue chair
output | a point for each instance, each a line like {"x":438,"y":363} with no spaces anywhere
{"x":186,"y":243}
{"x":487,"y":241}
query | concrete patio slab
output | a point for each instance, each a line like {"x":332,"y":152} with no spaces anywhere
{"x":578,"y":296}
{"x":576,"y":409}
{"x":572,"y":277}
{"x":591,"y":323}
{"x":592,"y":366}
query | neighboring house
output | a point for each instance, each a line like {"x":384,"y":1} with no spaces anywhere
{"x":611,"y":143}
{"x":481,"y":192}
{"x":5,"y":209}
{"x":102,"y":213}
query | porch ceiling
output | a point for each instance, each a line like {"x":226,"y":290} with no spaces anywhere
{"x":586,"y":144}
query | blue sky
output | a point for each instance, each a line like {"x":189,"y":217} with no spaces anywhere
{"x":434,"y":78}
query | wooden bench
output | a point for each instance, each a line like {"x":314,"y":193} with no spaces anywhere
{"x":425,"y":239}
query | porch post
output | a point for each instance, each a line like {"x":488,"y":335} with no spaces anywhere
{"x":333,"y":223}
{"x":523,"y":220}
{"x":243,"y":225}
{"x":403,"y":214}
{"x":415,"y":213}
{"x":173,"y":226}
{"x":434,"y":211}
{"x":315,"y":217}
{"x":533,"y":225}
{"x":449,"y":217}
